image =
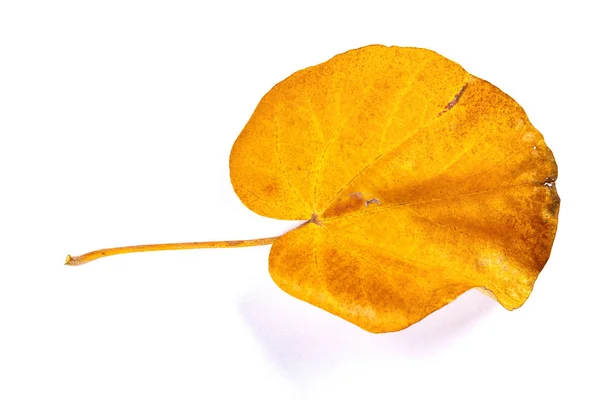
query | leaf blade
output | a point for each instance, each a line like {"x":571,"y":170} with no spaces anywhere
{"x":420,"y":182}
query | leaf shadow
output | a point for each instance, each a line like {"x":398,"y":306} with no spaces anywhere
{"x":303,"y":341}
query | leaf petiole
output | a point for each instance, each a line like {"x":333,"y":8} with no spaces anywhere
{"x":94,"y":255}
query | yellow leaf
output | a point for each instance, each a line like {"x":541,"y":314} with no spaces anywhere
{"x":418,"y":182}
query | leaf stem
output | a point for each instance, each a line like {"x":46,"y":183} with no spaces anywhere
{"x":94,"y":255}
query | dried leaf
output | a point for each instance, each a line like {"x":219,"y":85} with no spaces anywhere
{"x":419,"y":181}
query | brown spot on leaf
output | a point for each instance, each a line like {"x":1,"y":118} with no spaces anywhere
{"x":373,"y":200}
{"x":454,"y":101}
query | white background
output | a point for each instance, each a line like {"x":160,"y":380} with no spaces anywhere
{"x":116,"y":122}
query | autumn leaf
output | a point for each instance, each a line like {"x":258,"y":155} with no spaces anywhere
{"x":417,"y":181}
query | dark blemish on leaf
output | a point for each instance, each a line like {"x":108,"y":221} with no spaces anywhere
{"x":373,"y":200}
{"x":454,"y":101}
{"x":549,"y":182}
